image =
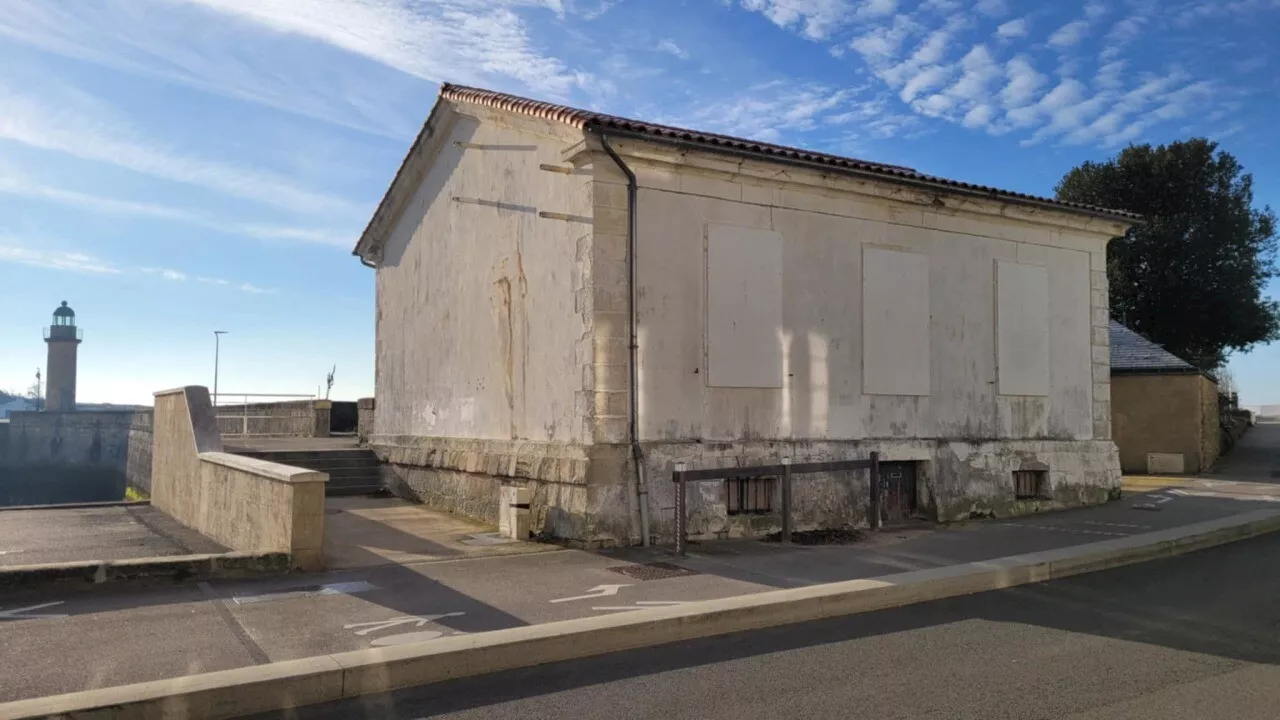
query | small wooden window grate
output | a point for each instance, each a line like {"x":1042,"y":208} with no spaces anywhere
{"x":1030,"y":484}
{"x":750,"y":496}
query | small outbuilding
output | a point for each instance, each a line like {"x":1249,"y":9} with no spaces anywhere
{"x":1164,"y":410}
{"x":575,"y":303}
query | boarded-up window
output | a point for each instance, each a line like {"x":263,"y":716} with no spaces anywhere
{"x":1022,"y":328}
{"x":895,"y":322}
{"x":744,"y":307}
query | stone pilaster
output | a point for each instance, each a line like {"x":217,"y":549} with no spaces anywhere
{"x":1100,"y":335}
{"x":604,"y":353}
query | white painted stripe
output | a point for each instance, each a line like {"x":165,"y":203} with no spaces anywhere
{"x":348,"y":588}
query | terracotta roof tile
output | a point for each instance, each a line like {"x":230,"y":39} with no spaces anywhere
{"x":589,"y":120}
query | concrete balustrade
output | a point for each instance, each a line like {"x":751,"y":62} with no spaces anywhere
{"x":247,"y":504}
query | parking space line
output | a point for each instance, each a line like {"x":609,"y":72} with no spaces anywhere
{"x":256,"y":653}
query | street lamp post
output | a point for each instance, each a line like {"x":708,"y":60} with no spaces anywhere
{"x":217,"y":338}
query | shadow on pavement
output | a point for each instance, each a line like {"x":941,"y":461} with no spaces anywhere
{"x":1215,"y":602}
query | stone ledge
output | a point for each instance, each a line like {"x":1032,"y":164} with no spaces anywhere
{"x":168,"y":569}
{"x":547,"y":462}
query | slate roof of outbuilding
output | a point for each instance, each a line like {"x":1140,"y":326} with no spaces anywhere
{"x":590,"y":120}
{"x":1132,"y":353}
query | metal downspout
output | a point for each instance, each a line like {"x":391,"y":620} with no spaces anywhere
{"x":633,"y":380}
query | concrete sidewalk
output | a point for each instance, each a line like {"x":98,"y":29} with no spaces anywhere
{"x":1255,"y":458}
{"x":57,"y":643}
{"x":103,"y":532}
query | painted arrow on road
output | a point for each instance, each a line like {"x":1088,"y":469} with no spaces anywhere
{"x":22,"y":613}
{"x":642,"y":605}
{"x":418,"y":620}
{"x":598,"y":591}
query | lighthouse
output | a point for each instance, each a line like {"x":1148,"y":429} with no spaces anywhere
{"x":63,"y":339}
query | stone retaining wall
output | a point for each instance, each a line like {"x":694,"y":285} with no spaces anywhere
{"x":246,"y":504}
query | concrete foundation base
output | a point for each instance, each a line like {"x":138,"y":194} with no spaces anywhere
{"x":584,"y":494}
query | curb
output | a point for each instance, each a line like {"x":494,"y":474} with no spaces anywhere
{"x":78,"y":506}
{"x":277,"y":686}
{"x":169,"y":568}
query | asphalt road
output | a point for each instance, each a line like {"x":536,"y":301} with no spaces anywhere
{"x":1191,"y":637}
{"x":62,"y":640}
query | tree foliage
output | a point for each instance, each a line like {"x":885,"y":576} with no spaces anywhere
{"x":1191,"y":276}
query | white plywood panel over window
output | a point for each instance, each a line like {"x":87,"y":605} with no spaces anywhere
{"x":744,"y":307}
{"x":895,"y":322}
{"x":1022,"y":328}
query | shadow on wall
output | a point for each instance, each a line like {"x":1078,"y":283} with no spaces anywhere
{"x":53,"y":457}
{"x":46,"y":484}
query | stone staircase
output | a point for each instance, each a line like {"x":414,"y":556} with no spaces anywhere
{"x":352,"y":471}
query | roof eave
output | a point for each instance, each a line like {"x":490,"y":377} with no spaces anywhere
{"x":1119,"y":217}
{"x":367,"y":237}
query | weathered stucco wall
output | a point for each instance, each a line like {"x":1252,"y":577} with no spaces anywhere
{"x":477,"y":328}
{"x":61,"y":457}
{"x":821,"y":393}
{"x":246,"y":504}
{"x":1164,"y":413}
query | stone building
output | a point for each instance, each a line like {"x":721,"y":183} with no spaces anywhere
{"x":576,"y":302}
{"x":1164,"y":409}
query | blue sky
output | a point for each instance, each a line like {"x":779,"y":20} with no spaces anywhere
{"x":175,"y":167}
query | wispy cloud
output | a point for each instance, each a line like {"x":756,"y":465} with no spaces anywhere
{"x":1070,"y":34}
{"x":13,"y":250}
{"x":1196,"y":11}
{"x":267,"y":52}
{"x":15,"y":183}
{"x":993,"y":8}
{"x":82,"y":126}
{"x":241,"y":286}
{"x":816,"y":19}
{"x":1014,"y":28}
{"x":486,"y":38}
{"x":669,"y":46}
{"x":68,"y":261}
{"x":166,"y":273}
{"x":769,"y":111}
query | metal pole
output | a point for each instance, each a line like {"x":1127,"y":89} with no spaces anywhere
{"x":678,"y":476}
{"x":875,"y":491}
{"x":786,"y":500}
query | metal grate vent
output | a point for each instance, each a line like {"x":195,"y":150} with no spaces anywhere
{"x":1030,"y":484}
{"x":653,"y":571}
{"x":749,"y":496}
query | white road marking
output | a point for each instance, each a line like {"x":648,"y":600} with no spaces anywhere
{"x":347,"y":588}
{"x":641,"y":604}
{"x":21,"y":613}
{"x":1230,"y":496}
{"x":598,"y":591}
{"x":418,"y":620}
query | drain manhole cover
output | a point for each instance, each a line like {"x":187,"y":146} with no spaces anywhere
{"x":653,"y":571}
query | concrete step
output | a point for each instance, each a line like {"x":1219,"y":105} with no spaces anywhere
{"x":340,"y":490}
{"x":351,"y":471}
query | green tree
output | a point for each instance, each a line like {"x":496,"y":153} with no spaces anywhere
{"x":1191,"y":276}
